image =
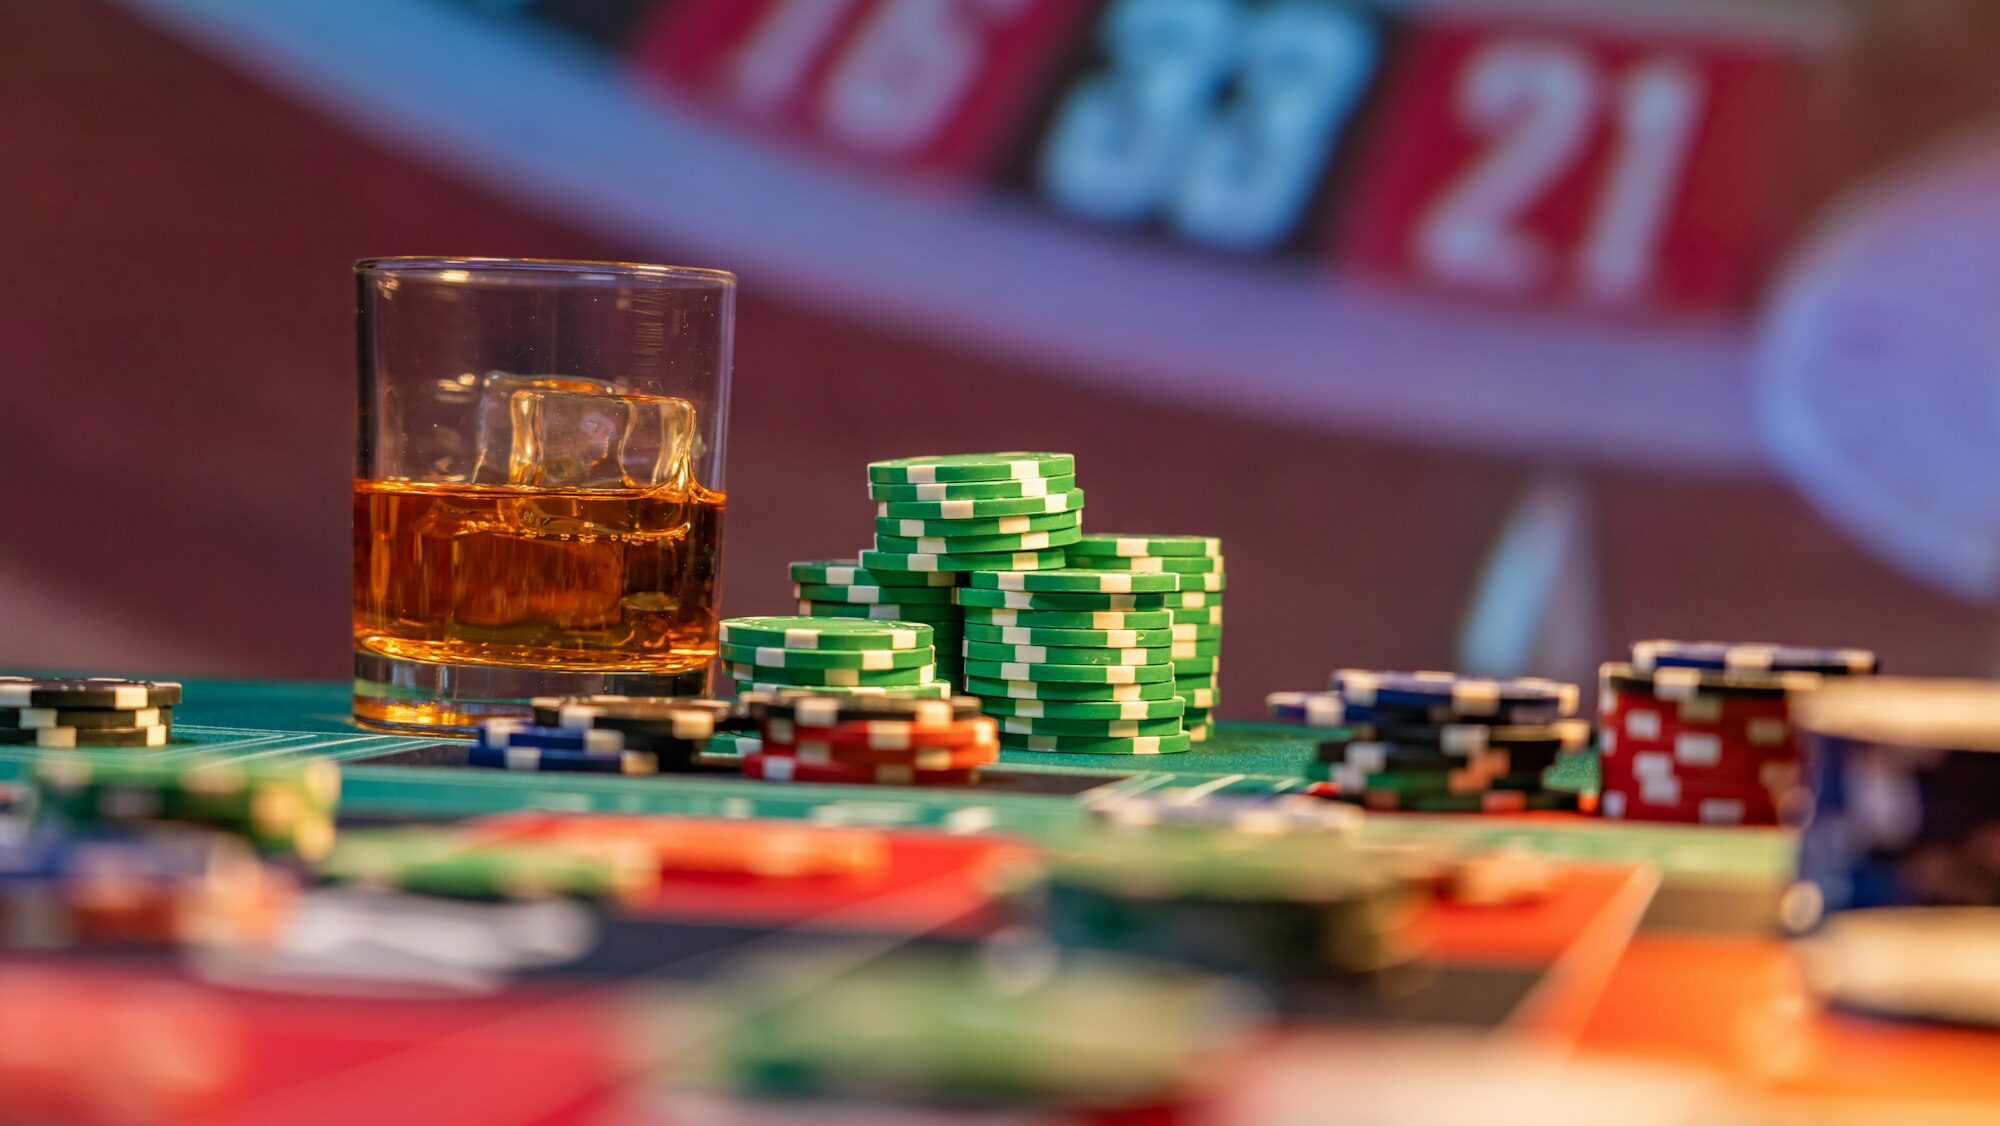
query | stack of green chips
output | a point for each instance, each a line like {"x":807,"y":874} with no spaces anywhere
{"x":840,"y":656}
{"x":842,"y":588}
{"x":281,"y":805}
{"x":1195,"y":609}
{"x":1074,"y":661}
{"x":939,"y":518}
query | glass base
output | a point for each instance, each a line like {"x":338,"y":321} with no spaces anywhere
{"x":420,"y":698}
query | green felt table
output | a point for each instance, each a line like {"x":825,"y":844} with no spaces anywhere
{"x":248,"y":719}
{"x":1262,"y":749}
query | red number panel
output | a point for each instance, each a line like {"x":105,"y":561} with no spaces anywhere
{"x":1574,"y":167}
{"x":931,"y":85}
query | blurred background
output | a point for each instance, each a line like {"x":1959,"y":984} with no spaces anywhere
{"x":1486,"y":333}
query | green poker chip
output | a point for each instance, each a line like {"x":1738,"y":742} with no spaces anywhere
{"x":978,"y":526}
{"x":930,"y":614}
{"x":1134,"y":745}
{"x":1055,"y":504}
{"x":1129,"y":546}
{"x":1068,"y":619}
{"x":848,"y":572}
{"x":1012,"y":465}
{"x":1181,"y":650}
{"x":781,"y":658}
{"x":874,"y":595}
{"x":1071,"y":638}
{"x":734,"y":743}
{"x":1057,"y":690}
{"x":1089,"y":728}
{"x":1100,"y":710}
{"x":836,"y":678}
{"x":1194,"y":666}
{"x":934,"y":690}
{"x":964,"y":545}
{"x":1191,"y":631}
{"x":994,"y":561}
{"x":824,"y":633}
{"x":1072,"y":674}
{"x":1204,"y":616}
{"x":1055,"y":655}
{"x":1178,"y":565}
{"x":1015,"y":488}
{"x":1192,"y":600}
{"x":1020,"y":600}
{"x":1197,"y":698}
{"x":1077,"y":581}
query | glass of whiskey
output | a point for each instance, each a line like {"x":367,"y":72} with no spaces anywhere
{"x":538,"y":487}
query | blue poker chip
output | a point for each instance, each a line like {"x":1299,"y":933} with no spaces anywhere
{"x":544,"y":759}
{"x":1316,"y":709}
{"x":505,"y":734}
{"x":1458,"y":697}
{"x":1751,"y":657}
{"x":1331,"y":709}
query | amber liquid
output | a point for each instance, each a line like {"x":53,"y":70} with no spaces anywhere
{"x":576,"y":580}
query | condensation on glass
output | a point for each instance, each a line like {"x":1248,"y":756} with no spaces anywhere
{"x":538,"y":487}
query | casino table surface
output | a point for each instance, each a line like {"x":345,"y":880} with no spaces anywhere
{"x":423,"y":777}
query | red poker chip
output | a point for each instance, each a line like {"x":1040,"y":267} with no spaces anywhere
{"x":779,"y":768}
{"x":885,"y":735}
{"x":1780,"y":775}
{"x":1618,"y":805}
{"x":810,"y":752}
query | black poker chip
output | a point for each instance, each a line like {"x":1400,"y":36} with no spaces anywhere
{"x":154,"y":736}
{"x":1400,"y":757}
{"x":679,"y":718}
{"x":17,"y":719}
{"x":1562,"y":735}
{"x":1677,"y":683}
{"x":87,"y":692}
{"x":813,"y":709}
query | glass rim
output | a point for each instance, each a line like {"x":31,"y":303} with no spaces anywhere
{"x":556,"y":267}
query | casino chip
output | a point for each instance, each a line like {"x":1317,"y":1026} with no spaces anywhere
{"x":1072,"y":602}
{"x":977,"y":527}
{"x":552,"y":759}
{"x":814,"y":633}
{"x":1013,"y":489}
{"x":87,"y":692}
{"x":1464,"y":695}
{"x":977,"y":561}
{"x":1069,"y":619}
{"x":85,"y":717}
{"x":848,"y":572}
{"x":873,"y":595}
{"x":1076,"y":581}
{"x":1058,"y":690}
{"x":1923,"y":963}
{"x":154,"y":736}
{"x":1751,"y":658}
{"x":1146,"y":546}
{"x":970,"y":467}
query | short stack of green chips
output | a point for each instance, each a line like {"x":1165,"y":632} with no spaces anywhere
{"x":841,"y":656}
{"x":1195,"y":609}
{"x":937,"y":518}
{"x":283,"y":805}
{"x":1074,"y":661}
{"x":842,"y":588}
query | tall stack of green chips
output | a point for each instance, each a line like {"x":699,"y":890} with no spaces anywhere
{"x":1195,"y":609}
{"x":1074,"y":661}
{"x":842,"y":656}
{"x":939,"y":518}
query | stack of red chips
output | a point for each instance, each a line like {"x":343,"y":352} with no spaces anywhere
{"x":874,"y":739}
{"x":1700,"y":732}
